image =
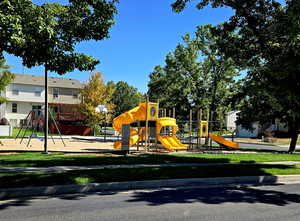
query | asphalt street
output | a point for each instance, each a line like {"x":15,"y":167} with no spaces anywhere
{"x":279,"y":202}
{"x":260,"y":147}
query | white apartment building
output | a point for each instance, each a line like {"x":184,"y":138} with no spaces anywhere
{"x":27,"y":93}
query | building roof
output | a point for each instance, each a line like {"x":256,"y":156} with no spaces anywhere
{"x":52,"y":81}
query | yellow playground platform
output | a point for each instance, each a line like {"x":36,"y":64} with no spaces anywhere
{"x":139,"y":113}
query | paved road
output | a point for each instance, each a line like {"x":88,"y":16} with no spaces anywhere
{"x":245,"y":203}
{"x":243,"y":145}
{"x":264,"y":147}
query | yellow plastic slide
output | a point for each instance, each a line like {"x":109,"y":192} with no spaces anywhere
{"x":222,"y":141}
{"x":137,"y":113}
{"x":170,"y":143}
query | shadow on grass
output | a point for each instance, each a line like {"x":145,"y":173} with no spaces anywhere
{"x":160,"y":197}
{"x":41,"y":160}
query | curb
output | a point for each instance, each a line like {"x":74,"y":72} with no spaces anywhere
{"x":14,"y":193}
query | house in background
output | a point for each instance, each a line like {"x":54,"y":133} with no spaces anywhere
{"x":27,"y":93}
{"x":231,"y":125}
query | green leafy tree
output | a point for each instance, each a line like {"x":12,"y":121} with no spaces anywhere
{"x":263,"y":37}
{"x":5,"y":78}
{"x":125,"y":97}
{"x":176,"y":84}
{"x":195,"y":76}
{"x":47,"y":34}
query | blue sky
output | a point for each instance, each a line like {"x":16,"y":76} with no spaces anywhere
{"x":145,"y":31}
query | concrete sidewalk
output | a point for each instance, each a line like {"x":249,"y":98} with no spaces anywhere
{"x":17,"y":193}
{"x":93,"y":167}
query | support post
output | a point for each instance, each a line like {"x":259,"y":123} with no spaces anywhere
{"x":156,"y":135}
{"x":199,"y":144}
{"x":46,"y":111}
{"x":105,"y":127}
{"x":26,"y":120}
{"x":125,"y":137}
{"x":200,"y":117}
{"x":165,"y":115}
{"x":174,"y":112}
{"x":146,"y":128}
{"x":190,"y":129}
{"x":57,"y":128}
{"x":209,"y":129}
{"x":139,"y":130}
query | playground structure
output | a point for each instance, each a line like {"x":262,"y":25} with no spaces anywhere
{"x":135,"y":124}
{"x":34,"y":122}
{"x":142,"y":126}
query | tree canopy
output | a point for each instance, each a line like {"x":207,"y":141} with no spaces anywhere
{"x":5,"y":78}
{"x":263,"y":37}
{"x":125,"y":97}
{"x":194,"y":77}
{"x":47,"y":34}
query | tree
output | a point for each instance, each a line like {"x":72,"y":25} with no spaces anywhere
{"x":125,"y":97}
{"x":47,"y":34}
{"x":263,"y":37}
{"x":177,"y":83}
{"x":5,"y":78}
{"x":194,"y":77}
{"x":94,"y":93}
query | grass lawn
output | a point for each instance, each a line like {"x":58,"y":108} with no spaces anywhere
{"x":27,"y":131}
{"x":10,"y":180}
{"x":59,"y":159}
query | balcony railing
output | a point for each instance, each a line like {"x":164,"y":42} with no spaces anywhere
{"x":69,"y":116}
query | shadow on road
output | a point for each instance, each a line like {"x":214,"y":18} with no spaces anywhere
{"x":216,"y":196}
{"x":155,"y":197}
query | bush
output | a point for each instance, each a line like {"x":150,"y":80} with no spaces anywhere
{"x":4,"y":121}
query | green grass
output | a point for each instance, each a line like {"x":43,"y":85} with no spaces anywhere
{"x":10,"y":180}
{"x":59,"y":159}
{"x":27,"y":131}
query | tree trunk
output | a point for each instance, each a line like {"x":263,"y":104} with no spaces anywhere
{"x":294,"y":136}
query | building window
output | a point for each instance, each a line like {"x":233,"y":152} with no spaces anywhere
{"x":23,"y":122}
{"x":14,"y":108}
{"x":13,"y":122}
{"x":55,"y":108}
{"x":37,"y":110}
{"x":15,"y":92}
{"x":55,"y":92}
{"x":75,"y":94}
{"x":37,"y":93}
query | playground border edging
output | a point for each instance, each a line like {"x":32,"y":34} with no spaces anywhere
{"x":15,"y":193}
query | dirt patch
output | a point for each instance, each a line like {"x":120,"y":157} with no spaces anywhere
{"x":72,"y":145}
